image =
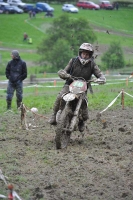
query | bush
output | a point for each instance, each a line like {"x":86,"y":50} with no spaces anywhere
{"x":113,"y":58}
{"x":58,"y":48}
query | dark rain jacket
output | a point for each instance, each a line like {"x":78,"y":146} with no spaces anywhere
{"x":16,"y":70}
{"x":75,"y":68}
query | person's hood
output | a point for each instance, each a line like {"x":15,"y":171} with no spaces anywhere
{"x":15,"y":54}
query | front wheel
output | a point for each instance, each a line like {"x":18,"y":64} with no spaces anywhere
{"x":62,"y":130}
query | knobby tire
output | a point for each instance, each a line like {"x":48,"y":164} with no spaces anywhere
{"x":63,"y":136}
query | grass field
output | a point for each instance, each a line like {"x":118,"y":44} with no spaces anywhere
{"x":13,"y":27}
{"x":11,"y":36}
{"x":43,"y":96}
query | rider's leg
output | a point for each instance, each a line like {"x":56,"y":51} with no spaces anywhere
{"x":56,"y":107}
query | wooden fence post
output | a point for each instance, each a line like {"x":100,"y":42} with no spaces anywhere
{"x":122,"y":99}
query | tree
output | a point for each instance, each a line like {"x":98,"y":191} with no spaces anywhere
{"x":60,"y":54}
{"x":113,"y":58}
{"x":63,"y":40}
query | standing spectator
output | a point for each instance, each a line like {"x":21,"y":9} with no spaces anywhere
{"x":117,"y":6}
{"x":33,"y":14}
{"x":30,"y":14}
{"x":49,"y":14}
{"x":16,"y":72}
{"x":25,"y":37}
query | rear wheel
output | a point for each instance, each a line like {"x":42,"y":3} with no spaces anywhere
{"x":62,"y":131}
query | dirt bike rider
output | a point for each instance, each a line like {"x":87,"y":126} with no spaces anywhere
{"x":81,"y":66}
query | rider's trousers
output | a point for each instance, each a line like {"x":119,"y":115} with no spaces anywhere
{"x":57,"y":105}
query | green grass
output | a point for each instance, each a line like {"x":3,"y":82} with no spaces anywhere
{"x":43,"y":97}
{"x":104,"y":38}
{"x":11,"y":36}
{"x":112,"y":19}
{"x":12,"y":31}
{"x":13,"y":26}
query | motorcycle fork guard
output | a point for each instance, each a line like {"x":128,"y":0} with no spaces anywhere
{"x":74,"y":118}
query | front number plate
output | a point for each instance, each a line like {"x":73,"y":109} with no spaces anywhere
{"x":69,"y":97}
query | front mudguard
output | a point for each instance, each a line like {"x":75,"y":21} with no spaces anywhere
{"x":74,"y":105}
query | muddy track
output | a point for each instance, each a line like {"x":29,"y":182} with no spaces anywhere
{"x":97,"y":166}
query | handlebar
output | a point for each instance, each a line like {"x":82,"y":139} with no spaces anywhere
{"x":64,"y":75}
{"x":81,"y":78}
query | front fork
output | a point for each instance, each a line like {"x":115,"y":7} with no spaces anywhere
{"x":76,"y":112}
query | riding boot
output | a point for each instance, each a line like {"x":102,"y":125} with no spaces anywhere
{"x":81,"y":126}
{"x":8,"y":104}
{"x":18,"y":104}
{"x":58,"y":105}
{"x":52,"y":119}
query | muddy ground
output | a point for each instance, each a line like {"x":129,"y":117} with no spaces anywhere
{"x":97,"y":166}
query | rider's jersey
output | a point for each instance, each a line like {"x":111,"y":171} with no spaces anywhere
{"x":75,"y":68}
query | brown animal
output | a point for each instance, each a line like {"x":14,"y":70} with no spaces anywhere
{"x":23,"y":115}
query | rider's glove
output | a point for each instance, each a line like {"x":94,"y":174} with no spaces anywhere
{"x":63,"y":74}
{"x":100,"y":81}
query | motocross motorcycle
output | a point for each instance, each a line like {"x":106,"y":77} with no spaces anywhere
{"x":68,"y":118}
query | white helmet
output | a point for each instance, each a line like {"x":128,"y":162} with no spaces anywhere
{"x":85,"y":47}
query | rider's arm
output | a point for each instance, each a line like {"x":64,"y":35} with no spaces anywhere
{"x":65,"y":73}
{"x":68,"y":67}
{"x":97,"y":72}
